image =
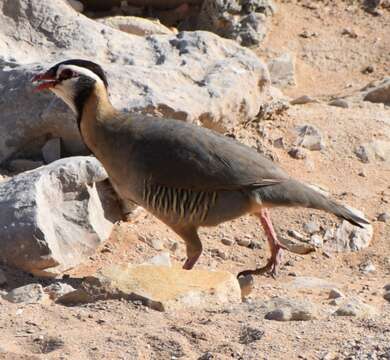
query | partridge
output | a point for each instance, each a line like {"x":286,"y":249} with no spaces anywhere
{"x":185,"y":175}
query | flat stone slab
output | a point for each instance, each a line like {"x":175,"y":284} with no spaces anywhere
{"x":159,"y":287}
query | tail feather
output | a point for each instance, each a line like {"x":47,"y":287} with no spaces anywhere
{"x":294,"y":193}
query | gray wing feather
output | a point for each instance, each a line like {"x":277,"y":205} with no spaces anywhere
{"x":181,"y":155}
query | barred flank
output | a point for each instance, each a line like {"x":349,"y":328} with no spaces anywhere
{"x":183,"y":204}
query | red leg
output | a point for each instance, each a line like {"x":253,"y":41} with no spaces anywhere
{"x":194,"y":246}
{"x":275,"y":246}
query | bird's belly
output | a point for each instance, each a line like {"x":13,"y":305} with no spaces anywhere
{"x":228,"y":206}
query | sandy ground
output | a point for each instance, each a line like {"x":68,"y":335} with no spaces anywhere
{"x":329,"y":64}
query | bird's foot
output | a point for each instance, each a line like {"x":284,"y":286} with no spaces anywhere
{"x":190,"y":262}
{"x":272,"y":267}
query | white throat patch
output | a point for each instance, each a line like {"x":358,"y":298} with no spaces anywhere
{"x":67,"y":89}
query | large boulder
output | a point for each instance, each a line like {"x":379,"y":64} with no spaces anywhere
{"x":191,"y":76}
{"x":52,"y":218}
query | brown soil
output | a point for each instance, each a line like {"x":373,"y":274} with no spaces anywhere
{"x":328,"y":64}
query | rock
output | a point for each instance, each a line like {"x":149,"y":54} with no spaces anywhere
{"x":249,"y":335}
{"x":243,"y":21}
{"x":307,"y":282}
{"x":386,"y":296}
{"x":297,"y":246}
{"x":273,"y":109}
{"x":20,"y":165}
{"x":302,"y":100}
{"x":310,"y":137}
{"x":311,"y":227}
{"x":58,"y":289}
{"x":355,"y":307}
{"x":282,"y":70}
{"x":76,"y":5}
{"x":367,"y":267}
{"x":227,"y":82}
{"x":136,"y":25}
{"x":28,"y":294}
{"x":368,"y":69}
{"x":3,"y":278}
{"x":380,"y":93}
{"x":296,"y":235}
{"x":160,"y":287}
{"x":371,"y":6}
{"x":51,"y":151}
{"x":291,"y":310}
{"x":219,"y":254}
{"x":246,"y":285}
{"x":336,"y":302}
{"x":350,"y":33}
{"x":384,"y":217}
{"x":156,"y":244}
{"x":335,"y":294}
{"x":243,"y":241}
{"x":252,"y":30}
{"x":227,"y":241}
{"x":362,"y":152}
{"x":339,"y":103}
{"x":297,"y":153}
{"x":308,"y":34}
{"x":279,"y":143}
{"x":377,"y":150}
{"x":351,"y":238}
{"x":52,"y":218}
{"x":317,"y":240}
{"x":162,"y":259}
{"x":387,"y":287}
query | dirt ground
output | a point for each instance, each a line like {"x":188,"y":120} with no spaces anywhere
{"x":329,"y":63}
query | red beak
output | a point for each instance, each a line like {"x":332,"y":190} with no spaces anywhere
{"x":46,"y":80}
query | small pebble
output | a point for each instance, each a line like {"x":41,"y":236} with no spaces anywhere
{"x":297,"y":153}
{"x":304,"y":99}
{"x":367,"y":267}
{"x":295,"y":235}
{"x":339,"y":103}
{"x":243,"y":242}
{"x":279,"y":143}
{"x":336,"y":302}
{"x":311,"y":227}
{"x":335,"y":294}
{"x":384,"y":217}
{"x":246,"y":285}
{"x":386,"y":296}
{"x":368,"y":69}
{"x":317,"y":240}
{"x":227,"y":241}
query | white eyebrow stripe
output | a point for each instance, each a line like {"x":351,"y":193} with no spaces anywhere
{"x":79,"y":70}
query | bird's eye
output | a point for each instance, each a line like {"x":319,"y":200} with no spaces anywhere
{"x":66,"y":74}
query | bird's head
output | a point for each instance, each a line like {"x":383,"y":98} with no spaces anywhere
{"x":72,"y":81}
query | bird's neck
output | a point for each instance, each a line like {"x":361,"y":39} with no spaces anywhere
{"x":97,"y":112}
